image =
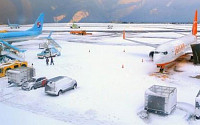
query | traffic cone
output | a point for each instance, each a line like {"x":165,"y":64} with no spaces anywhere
{"x":124,"y":35}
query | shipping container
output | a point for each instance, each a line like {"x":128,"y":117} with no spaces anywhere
{"x":160,"y":99}
{"x":20,"y":75}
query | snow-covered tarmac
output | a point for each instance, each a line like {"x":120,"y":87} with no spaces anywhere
{"x":107,"y":93}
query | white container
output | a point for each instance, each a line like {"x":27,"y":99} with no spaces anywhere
{"x":160,"y":99}
{"x":197,"y":106}
{"x":20,"y":75}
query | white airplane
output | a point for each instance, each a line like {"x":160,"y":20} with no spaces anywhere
{"x":168,"y":52}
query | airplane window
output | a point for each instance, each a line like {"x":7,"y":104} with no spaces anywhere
{"x":165,"y":53}
{"x":156,"y":52}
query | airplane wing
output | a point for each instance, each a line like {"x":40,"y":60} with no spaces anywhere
{"x":143,"y":43}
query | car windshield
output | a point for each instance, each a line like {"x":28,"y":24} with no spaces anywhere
{"x":46,"y":51}
{"x":39,"y":79}
{"x":32,"y":80}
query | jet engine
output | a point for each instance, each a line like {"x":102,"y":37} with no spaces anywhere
{"x":151,"y":54}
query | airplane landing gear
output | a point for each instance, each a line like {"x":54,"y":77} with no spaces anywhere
{"x":161,"y":70}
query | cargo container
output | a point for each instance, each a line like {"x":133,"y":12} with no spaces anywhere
{"x":197,"y":106}
{"x":20,"y":75}
{"x":160,"y":99}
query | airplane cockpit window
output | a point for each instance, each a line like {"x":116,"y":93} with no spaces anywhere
{"x":165,"y":53}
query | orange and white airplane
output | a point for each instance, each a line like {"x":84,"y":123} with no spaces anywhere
{"x":168,"y":52}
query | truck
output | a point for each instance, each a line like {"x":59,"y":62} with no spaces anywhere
{"x":20,"y":75}
{"x":80,"y":32}
{"x":4,"y":67}
{"x":48,"y":53}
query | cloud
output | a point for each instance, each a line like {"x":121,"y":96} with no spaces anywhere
{"x":123,"y":12}
{"x":169,"y":3}
{"x":59,"y":18}
{"x":78,"y":16}
{"x":154,"y":11}
{"x":100,"y":1}
{"x":53,"y":8}
{"x":128,"y":1}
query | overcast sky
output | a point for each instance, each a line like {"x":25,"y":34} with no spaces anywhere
{"x":26,"y":11}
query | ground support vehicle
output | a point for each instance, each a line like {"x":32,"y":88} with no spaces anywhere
{"x":11,"y":65}
{"x":81,"y":32}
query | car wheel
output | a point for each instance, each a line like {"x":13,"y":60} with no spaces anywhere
{"x":32,"y":88}
{"x":59,"y":92}
{"x":75,"y":86}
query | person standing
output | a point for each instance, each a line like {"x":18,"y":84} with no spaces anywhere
{"x":52,"y":63}
{"x":47,"y":61}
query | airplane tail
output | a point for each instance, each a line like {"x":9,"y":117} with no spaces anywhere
{"x":38,"y":24}
{"x":194,"y":28}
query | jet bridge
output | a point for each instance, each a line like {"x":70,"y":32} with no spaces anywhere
{"x":196,"y":53}
{"x":9,"y":52}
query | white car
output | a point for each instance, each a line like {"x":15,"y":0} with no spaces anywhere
{"x":60,"y":84}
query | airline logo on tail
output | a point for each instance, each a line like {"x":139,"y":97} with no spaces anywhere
{"x":38,"y":24}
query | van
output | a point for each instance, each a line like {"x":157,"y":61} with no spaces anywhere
{"x":60,"y":84}
{"x":48,"y":53}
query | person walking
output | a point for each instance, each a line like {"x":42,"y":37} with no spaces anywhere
{"x":47,"y":61}
{"x":52,"y":63}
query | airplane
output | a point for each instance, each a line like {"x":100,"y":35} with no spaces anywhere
{"x":13,"y":26}
{"x":6,"y":39}
{"x":168,"y":52}
{"x":36,"y":30}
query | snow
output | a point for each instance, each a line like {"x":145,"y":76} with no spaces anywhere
{"x":107,"y":93}
{"x":8,"y":117}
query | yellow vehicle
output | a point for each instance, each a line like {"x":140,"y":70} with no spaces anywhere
{"x":11,"y":65}
{"x":3,"y":31}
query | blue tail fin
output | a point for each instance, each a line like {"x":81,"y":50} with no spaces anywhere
{"x":38,"y":24}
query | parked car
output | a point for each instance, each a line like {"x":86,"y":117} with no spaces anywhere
{"x":48,"y":52}
{"x":34,"y":83}
{"x":60,"y":84}
{"x":74,"y":26}
{"x":110,"y":26}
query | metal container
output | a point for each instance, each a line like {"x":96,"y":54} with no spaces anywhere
{"x":20,"y":75}
{"x":160,"y":99}
{"x":197,"y":106}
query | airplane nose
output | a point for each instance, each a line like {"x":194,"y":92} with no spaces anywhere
{"x":157,"y":59}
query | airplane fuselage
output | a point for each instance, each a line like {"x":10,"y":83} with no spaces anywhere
{"x":18,"y":36}
{"x":170,"y":51}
